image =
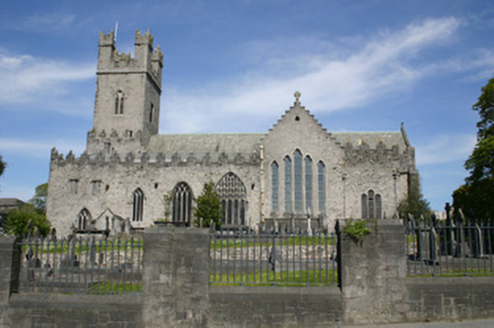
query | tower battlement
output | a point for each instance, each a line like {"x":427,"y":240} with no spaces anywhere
{"x":146,"y":58}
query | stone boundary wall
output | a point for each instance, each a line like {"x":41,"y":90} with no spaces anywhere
{"x":176,"y":291}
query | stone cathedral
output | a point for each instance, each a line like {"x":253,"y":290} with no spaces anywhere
{"x":130,"y":175}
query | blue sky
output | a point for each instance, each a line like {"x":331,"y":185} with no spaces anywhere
{"x":234,"y":66}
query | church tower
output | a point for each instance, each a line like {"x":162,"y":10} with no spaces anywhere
{"x":127,"y":102}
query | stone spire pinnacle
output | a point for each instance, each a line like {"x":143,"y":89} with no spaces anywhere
{"x":297,"y":97}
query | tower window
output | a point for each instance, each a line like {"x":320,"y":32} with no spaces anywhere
{"x":151,"y":114}
{"x":119,"y":103}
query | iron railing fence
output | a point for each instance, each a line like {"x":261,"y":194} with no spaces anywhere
{"x":241,"y":257}
{"x":81,"y":265}
{"x":449,"y":249}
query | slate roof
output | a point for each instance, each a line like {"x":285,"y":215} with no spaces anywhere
{"x":213,"y":143}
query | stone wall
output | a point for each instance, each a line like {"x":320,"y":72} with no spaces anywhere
{"x":176,"y":291}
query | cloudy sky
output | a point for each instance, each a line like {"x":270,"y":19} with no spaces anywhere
{"x":234,"y":66}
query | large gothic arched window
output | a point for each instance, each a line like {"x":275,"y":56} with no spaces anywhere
{"x":137,"y":205}
{"x":274,"y":186}
{"x":83,"y":220}
{"x":182,"y":203}
{"x":321,"y":182}
{"x":288,"y":184}
{"x":297,"y":181}
{"x":308,"y":184}
{"x":233,"y":195}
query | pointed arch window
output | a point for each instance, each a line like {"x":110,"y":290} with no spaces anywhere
{"x":83,"y":220}
{"x":182,"y":203}
{"x":321,"y":185}
{"x":288,"y":184}
{"x":297,"y":177}
{"x":308,"y":184}
{"x":371,"y":205}
{"x":274,"y":186}
{"x":233,"y":195}
{"x":119,"y":103}
{"x":137,"y":205}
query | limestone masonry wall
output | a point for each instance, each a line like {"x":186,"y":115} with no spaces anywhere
{"x":176,"y":291}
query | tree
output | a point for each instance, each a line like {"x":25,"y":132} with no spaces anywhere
{"x":39,"y":198}
{"x":208,"y":207}
{"x":3,"y":165}
{"x":25,"y":220}
{"x":475,"y":196}
{"x":414,"y":204}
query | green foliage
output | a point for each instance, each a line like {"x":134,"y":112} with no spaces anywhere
{"x":475,"y":196}
{"x":356,"y":229}
{"x":208,"y":207}
{"x":39,"y":198}
{"x":475,"y":199}
{"x":25,"y":220}
{"x":414,"y":204}
{"x":3,"y":165}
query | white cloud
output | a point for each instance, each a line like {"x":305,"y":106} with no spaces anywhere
{"x":445,"y":148}
{"x":29,"y":80}
{"x":381,"y":66}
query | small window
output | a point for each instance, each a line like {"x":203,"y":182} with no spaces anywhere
{"x":74,"y":186}
{"x":151,"y":114}
{"x":119,"y":103}
{"x":96,"y":187}
{"x":83,"y":220}
{"x":371,"y":205}
{"x":137,"y":205}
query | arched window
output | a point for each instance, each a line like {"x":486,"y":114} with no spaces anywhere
{"x":119,"y":103}
{"x":83,"y":220}
{"x":274,"y":187}
{"x":182,"y":203}
{"x":288,"y":184}
{"x":297,"y":167}
{"x":137,"y":205}
{"x":371,"y":205}
{"x":321,"y":185}
{"x":365,"y":211}
{"x":378,"y":207}
{"x":308,"y":184}
{"x":233,"y":195}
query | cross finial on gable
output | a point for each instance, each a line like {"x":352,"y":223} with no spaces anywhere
{"x":297,"y":97}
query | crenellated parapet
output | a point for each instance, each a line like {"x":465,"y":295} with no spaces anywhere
{"x":389,"y":157}
{"x":161,"y":159}
{"x":146,"y":59}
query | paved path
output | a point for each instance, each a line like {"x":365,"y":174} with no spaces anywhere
{"x":487,"y":323}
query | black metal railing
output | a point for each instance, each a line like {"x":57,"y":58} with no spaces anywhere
{"x":81,"y":265}
{"x":449,"y":249}
{"x":242,"y":257}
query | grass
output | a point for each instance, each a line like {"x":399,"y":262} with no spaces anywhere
{"x":267,"y":278}
{"x":457,"y":273}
